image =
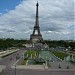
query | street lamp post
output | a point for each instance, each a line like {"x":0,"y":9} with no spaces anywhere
{"x":15,"y":69}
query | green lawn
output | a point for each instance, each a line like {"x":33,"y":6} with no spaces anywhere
{"x":61,"y":55}
{"x":29,"y":53}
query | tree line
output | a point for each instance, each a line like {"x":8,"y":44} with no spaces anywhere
{"x":10,"y":42}
{"x":61,"y":43}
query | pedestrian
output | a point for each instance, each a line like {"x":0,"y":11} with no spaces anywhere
{"x":67,"y":67}
{"x":59,"y":66}
{"x":10,"y":58}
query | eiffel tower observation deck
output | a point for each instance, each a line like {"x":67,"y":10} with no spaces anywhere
{"x":36,"y":35}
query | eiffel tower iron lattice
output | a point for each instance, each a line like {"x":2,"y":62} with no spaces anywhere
{"x":36,"y":35}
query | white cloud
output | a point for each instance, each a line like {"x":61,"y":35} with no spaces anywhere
{"x":56,"y":19}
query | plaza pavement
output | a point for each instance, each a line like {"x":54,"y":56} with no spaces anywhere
{"x":63,"y":65}
{"x":3,"y":53}
{"x":38,"y":72}
{"x":20,"y":71}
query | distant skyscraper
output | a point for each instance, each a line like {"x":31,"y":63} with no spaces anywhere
{"x":36,"y":35}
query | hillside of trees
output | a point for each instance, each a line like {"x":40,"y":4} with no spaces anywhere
{"x":61,"y":43}
{"x":7,"y":43}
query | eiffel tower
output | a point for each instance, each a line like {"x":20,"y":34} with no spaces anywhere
{"x":36,"y":35}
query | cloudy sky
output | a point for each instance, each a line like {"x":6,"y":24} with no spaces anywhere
{"x":56,"y":18}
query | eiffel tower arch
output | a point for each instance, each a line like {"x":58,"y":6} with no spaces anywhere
{"x":36,"y":35}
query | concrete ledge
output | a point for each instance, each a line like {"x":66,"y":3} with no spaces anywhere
{"x":29,"y":67}
{"x":4,"y":53}
{"x":2,"y":67}
{"x":41,"y":67}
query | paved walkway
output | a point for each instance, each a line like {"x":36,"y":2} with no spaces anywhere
{"x":38,"y":72}
{"x":3,"y":53}
{"x":61,"y":65}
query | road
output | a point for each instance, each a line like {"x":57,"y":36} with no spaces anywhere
{"x":9,"y":71}
{"x":9,"y":60}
